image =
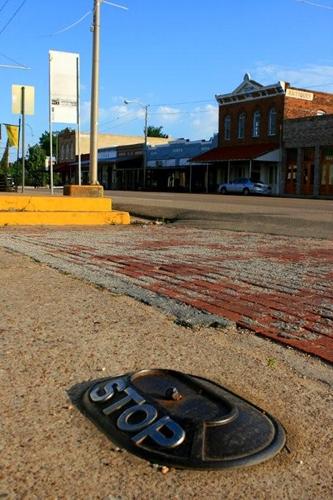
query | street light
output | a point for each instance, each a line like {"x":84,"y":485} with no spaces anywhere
{"x":145,"y":107}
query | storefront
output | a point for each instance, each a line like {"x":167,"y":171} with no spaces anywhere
{"x":308,"y":156}
{"x":258,"y":162}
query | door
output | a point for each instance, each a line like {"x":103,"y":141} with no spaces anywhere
{"x":326,"y":186}
{"x":291,"y":171}
{"x":307,"y":177}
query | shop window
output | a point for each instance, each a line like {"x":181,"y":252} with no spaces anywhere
{"x":256,"y":124}
{"x":241,"y":126}
{"x":227,"y":128}
{"x":272,"y":122}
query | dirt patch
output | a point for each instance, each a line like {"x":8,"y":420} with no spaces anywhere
{"x":58,"y":331}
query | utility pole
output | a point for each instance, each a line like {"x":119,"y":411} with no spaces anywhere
{"x":145,"y":147}
{"x":93,"y":178}
{"x":23,"y":136}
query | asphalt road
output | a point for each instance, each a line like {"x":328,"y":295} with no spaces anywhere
{"x":285,"y":216}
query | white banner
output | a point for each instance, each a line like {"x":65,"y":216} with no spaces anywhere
{"x":64,"y":76}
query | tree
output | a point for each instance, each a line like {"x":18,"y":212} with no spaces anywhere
{"x":36,"y":165}
{"x":156,"y":132}
{"x":44,"y":140}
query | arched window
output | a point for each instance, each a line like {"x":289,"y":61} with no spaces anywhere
{"x":241,"y":126}
{"x":227,"y":128}
{"x":256,"y":124}
{"x":272,"y":122}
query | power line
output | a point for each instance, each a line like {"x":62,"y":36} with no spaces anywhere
{"x":161,"y":113}
{"x":19,"y":65}
{"x":4,"y":5}
{"x":13,"y":16}
{"x":314,"y":4}
{"x":115,"y":5}
{"x":120,"y":124}
{"x":181,"y":103}
{"x":67,"y":28}
{"x":183,"y":112}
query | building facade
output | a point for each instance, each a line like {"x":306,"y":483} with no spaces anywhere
{"x":108,"y":145}
{"x":250,"y":137}
{"x":308,"y":156}
{"x":169,"y":166}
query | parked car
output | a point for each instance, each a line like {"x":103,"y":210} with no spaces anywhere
{"x":244,"y":186}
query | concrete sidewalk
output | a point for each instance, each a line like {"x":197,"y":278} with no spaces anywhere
{"x":58,"y":331}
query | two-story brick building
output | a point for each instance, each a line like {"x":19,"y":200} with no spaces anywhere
{"x":250,"y":138}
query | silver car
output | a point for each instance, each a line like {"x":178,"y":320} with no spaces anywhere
{"x":244,"y":186}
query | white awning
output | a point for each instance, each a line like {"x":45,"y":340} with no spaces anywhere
{"x":274,"y":156}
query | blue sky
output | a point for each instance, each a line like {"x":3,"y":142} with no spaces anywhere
{"x":174,"y":55}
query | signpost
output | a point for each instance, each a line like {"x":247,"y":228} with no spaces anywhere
{"x":64,"y":97}
{"x":23,"y":103}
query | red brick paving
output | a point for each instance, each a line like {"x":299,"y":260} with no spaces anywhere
{"x":278,"y":287}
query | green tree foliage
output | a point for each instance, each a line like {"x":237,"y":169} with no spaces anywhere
{"x":44,"y":140}
{"x":15,"y":171}
{"x":35,"y":166}
{"x":36,"y":173}
{"x":153,"y":131}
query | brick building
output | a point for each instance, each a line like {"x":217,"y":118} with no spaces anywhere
{"x":250,"y":137}
{"x":308,"y":155}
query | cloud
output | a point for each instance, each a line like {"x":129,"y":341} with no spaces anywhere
{"x":204,"y":121}
{"x":200,"y":122}
{"x":310,"y":75}
{"x":110,"y":115}
{"x":167,"y":115}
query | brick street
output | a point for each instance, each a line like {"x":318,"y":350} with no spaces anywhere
{"x":276,"y":286}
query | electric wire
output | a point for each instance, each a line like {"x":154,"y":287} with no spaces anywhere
{"x":4,"y":5}
{"x":14,"y":61}
{"x":13,"y":16}
{"x":314,"y":4}
{"x":115,"y":5}
{"x":184,"y":102}
{"x":121,"y":124}
{"x":67,"y":28}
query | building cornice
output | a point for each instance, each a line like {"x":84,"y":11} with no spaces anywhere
{"x":258,"y":93}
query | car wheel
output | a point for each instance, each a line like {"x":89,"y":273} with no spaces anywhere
{"x":223,"y":190}
{"x":246,"y":192}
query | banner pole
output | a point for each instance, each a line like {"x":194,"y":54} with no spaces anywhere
{"x":18,"y":142}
